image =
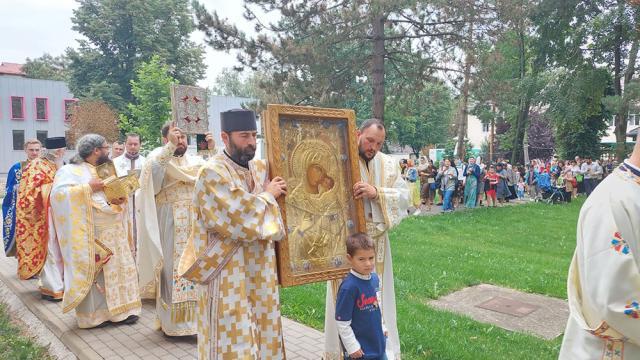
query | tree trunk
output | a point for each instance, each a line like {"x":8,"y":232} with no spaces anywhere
{"x":377,"y":68}
{"x":621,"y":117}
{"x":492,"y":134}
{"x":525,"y":146}
{"x":523,"y":108}
{"x":463,"y":117}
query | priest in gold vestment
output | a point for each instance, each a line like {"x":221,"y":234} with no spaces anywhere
{"x":604,"y":277}
{"x":386,"y":200}
{"x":100,"y":275}
{"x":231,"y":251}
{"x":36,"y":244}
{"x":164,"y":206}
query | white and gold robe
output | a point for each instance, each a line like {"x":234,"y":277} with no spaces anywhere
{"x":89,"y":231}
{"x":231,"y":253}
{"x":381,"y":214}
{"x":51,"y":277}
{"x":604,"y":276}
{"x":123,"y":165}
{"x":164,"y":222}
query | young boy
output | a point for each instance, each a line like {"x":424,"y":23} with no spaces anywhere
{"x":358,"y":313}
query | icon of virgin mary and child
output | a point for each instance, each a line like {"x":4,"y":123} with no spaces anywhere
{"x":316,"y":208}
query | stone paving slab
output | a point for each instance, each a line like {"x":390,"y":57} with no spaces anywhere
{"x":547,"y":321}
{"x":138,"y":341}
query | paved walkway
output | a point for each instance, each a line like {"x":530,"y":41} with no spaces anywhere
{"x":139,"y":341}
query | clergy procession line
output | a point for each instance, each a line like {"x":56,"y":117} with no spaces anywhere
{"x":198,"y":238}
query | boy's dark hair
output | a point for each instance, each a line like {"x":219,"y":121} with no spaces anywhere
{"x":359,"y":241}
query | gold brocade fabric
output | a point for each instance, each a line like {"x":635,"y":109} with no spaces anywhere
{"x":120,"y":273}
{"x":32,"y":209}
{"x":72,"y":209}
{"x":180,"y":197}
{"x":231,"y":253}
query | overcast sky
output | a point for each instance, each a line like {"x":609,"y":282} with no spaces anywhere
{"x":30,"y":28}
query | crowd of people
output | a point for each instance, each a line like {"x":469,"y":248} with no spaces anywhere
{"x":455,"y":183}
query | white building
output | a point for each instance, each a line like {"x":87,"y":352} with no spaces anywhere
{"x":477,"y":132}
{"x":29,"y":108}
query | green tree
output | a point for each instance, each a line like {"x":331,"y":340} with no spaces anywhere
{"x":323,"y":50}
{"x":152,"y":106}
{"x":254,"y":85}
{"x":230,"y":82}
{"x":598,"y":33}
{"x":509,"y":72}
{"x":420,"y":119}
{"x":47,"y":67}
{"x":576,"y":109}
{"x":119,"y":35}
{"x":508,"y":83}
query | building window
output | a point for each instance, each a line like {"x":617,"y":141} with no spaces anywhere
{"x":42,"y":108}
{"x":633,"y":120}
{"x":486,"y":127}
{"x":17,"y":107}
{"x":18,"y":139}
{"x":69,"y":104}
{"x":41,"y":135}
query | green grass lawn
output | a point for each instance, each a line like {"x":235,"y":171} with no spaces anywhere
{"x":527,"y":247}
{"x":14,"y":346}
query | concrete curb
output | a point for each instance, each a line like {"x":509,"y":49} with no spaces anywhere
{"x":34,"y":327}
{"x":55,"y":328}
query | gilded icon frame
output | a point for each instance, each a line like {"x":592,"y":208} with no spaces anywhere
{"x":315,"y":150}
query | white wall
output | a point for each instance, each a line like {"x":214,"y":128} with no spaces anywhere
{"x":475,"y":132}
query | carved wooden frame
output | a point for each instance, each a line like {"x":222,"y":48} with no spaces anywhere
{"x":271,"y":122}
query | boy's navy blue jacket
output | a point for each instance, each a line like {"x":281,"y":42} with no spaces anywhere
{"x":357,"y":302}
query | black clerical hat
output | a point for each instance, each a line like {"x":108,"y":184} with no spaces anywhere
{"x":55,"y":143}
{"x":238,"y":120}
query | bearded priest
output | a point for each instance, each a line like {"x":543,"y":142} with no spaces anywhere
{"x":164,"y":206}
{"x":100,"y":275}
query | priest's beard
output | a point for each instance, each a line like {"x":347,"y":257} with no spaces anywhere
{"x":241,"y":156}
{"x":180,"y":150}
{"x":102,"y":159}
{"x":364,"y":156}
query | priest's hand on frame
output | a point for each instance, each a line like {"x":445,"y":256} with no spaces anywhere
{"x":277,"y":187}
{"x":362,"y":190}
